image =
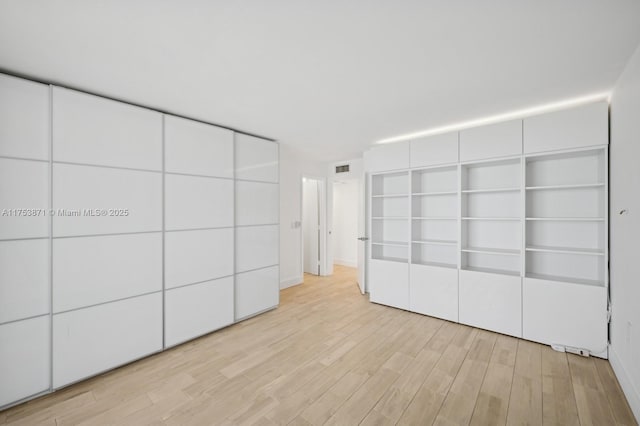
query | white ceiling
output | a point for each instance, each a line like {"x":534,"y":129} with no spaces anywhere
{"x":329,"y":77}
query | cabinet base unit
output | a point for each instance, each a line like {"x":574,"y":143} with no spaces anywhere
{"x":24,"y":359}
{"x":256,"y":291}
{"x":197,"y":309}
{"x":565,"y":314}
{"x":433,"y":291}
{"x":389,"y":282}
{"x":491,"y":301}
{"x":96,"y":339}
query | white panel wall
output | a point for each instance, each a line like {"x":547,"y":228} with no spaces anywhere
{"x":24,"y":239}
{"x":256,"y":291}
{"x":24,"y":118}
{"x":91,"y":340}
{"x":198,"y":309}
{"x":24,"y":359}
{"x":92,"y":270}
{"x":92,"y":130}
{"x":195,"y":256}
{"x":256,"y":159}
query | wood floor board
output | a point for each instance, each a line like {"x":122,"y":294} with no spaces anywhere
{"x":328,"y":356}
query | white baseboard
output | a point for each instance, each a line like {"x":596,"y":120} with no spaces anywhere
{"x":290,"y":282}
{"x":350,"y":263}
{"x":628,"y":387}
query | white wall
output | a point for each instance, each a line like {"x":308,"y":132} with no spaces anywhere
{"x":625,"y":231}
{"x":345,"y":222}
{"x":293,"y":165}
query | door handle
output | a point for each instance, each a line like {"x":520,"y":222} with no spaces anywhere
{"x":363,"y":238}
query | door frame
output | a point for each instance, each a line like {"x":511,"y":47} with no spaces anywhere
{"x":322,"y":211}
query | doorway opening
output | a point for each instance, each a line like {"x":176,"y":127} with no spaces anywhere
{"x":313,"y":207}
{"x":347,"y":213}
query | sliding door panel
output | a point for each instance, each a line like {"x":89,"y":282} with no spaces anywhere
{"x":256,"y":247}
{"x":92,"y":340}
{"x":197,"y":148}
{"x":197,"y":309}
{"x":89,"y":129}
{"x":24,"y":279}
{"x":93,"y":270}
{"x":24,"y":359}
{"x":256,"y":291}
{"x":195,"y":256}
{"x":98,"y":200}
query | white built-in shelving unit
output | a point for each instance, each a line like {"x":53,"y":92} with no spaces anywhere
{"x":434,"y":216}
{"x":502,"y":227}
{"x":390,"y":214}
{"x":565,"y":216}
{"x":491,"y":219}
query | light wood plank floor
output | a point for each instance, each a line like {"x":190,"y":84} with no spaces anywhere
{"x":328,"y":356}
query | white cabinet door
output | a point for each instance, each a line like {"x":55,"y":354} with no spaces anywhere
{"x":24,"y":279}
{"x":198,"y":202}
{"x":392,"y":156}
{"x":24,"y":359}
{"x":434,"y":291}
{"x":92,"y":270}
{"x":491,"y":141}
{"x":24,"y":187}
{"x":89,"y":129}
{"x":197,"y":148}
{"x":195,"y":256}
{"x":24,"y":118}
{"x":92,"y":340}
{"x":389,"y":283}
{"x":578,"y":127}
{"x":76,"y":188}
{"x":197,"y":309}
{"x":256,"y":291}
{"x":257,"y":203}
{"x":256,"y":247}
{"x":491,"y":301}
{"x":566,"y":314}
{"x":434,"y":150}
{"x":256,"y":159}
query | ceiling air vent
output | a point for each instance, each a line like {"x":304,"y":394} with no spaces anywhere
{"x":342,"y":169}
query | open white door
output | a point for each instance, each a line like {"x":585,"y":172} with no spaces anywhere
{"x":311,"y":226}
{"x":362,"y":232}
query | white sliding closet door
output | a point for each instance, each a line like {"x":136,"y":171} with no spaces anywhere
{"x":257,"y":230}
{"x":24,"y":239}
{"x":198,"y":229}
{"x":107,"y":279}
